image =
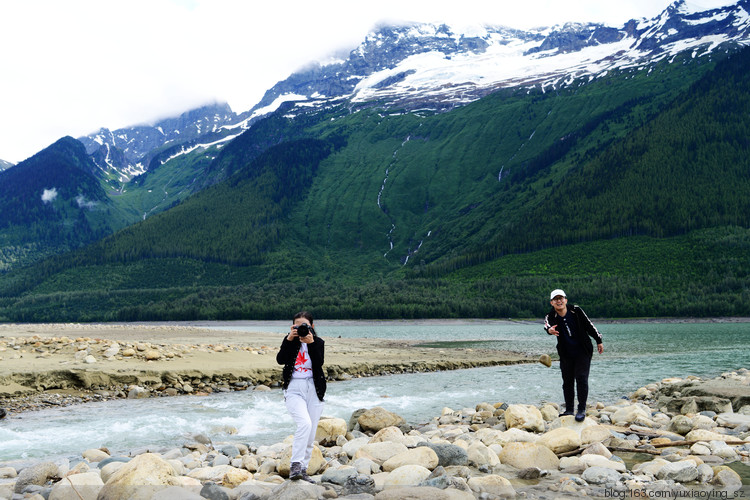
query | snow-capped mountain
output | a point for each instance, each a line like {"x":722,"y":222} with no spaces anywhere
{"x":5,"y":165}
{"x":128,"y":152}
{"x":424,"y":66}
{"x":438,"y":67}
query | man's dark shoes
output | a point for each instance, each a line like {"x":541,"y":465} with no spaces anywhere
{"x":580,"y":416}
{"x":566,"y":413}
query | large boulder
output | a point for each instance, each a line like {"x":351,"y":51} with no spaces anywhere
{"x":526,"y":417}
{"x":514,"y":436}
{"x":235,"y":477}
{"x":421,"y":455}
{"x":733,"y":420}
{"x":84,"y":486}
{"x":359,"y":484}
{"x":379,"y":452}
{"x":651,"y":468}
{"x":338,"y":476}
{"x":379,"y":418}
{"x":393,"y":434}
{"x":214,"y":473}
{"x":109,"y":470}
{"x":8,"y":472}
{"x":37,"y":474}
{"x":406,"y":475}
{"x":680,"y":472}
{"x":329,"y":430}
{"x":95,"y":455}
{"x":560,"y":440}
{"x":680,"y":424}
{"x":600,"y":475}
{"x":706,"y":435}
{"x":494,"y":486}
{"x":703,"y":422}
{"x":351,"y":447}
{"x":597,"y":449}
{"x":479,"y":455}
{"x":594,"y":434}
{"x":448,"y":454}
{"x":629,"y":414}
{"x":724,"y":477}
{"x":571,"y":422}
{"x":489,"y":436}
{"x":139,"y":479}
{"x":593,"y":460}
{"x":549,"y":412}
{"x":525,"y":455}
{"x":317,"y":462}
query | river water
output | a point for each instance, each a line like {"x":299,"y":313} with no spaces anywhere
{"x":635,"y":355}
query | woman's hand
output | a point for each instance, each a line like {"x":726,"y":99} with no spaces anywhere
{"x":307,"y":339}
{"x":292,"y":334}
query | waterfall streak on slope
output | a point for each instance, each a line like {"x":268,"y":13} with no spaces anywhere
{"x":380,"y":194}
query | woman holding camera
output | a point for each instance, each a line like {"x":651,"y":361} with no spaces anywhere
{"x":304,"y":387}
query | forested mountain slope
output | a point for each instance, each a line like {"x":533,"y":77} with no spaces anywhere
{"x":371,"y":213}
{"x":50,"y":201}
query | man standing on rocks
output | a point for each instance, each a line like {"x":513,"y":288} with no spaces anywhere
{"x":572,"y":328}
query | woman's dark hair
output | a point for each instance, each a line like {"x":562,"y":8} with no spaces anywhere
{"x":303,"y":314}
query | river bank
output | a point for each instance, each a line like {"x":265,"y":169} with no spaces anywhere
{"x":667,"y":439}
{"x":62,"y":364}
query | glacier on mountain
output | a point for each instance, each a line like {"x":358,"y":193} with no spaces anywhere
{"x":429,"y":66}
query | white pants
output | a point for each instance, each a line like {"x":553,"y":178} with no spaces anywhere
{"x":305,"y":408}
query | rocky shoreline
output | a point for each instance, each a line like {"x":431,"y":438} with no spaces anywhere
{"x":668,"y":439}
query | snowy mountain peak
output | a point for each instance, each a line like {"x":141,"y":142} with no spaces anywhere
{"x":5,"y":165}
{"x":125,"y":153}
{"x":438,"y":67}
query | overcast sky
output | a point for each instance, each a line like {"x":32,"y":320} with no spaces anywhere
{"x":69,"y":67}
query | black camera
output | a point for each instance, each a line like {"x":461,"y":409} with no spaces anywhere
{"x":303,"y":330}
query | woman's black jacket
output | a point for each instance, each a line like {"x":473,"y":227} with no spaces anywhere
{"x":287,"y":356}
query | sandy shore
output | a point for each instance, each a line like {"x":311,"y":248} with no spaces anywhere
{"x":108,"y":360}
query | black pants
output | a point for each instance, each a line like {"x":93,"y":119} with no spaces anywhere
{"x":575,"y":370}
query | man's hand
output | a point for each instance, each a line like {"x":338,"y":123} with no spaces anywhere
{"x":600,"y":348}
{"x":553,"y":331}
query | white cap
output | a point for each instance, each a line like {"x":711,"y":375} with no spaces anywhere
{"x":555,"y":293}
